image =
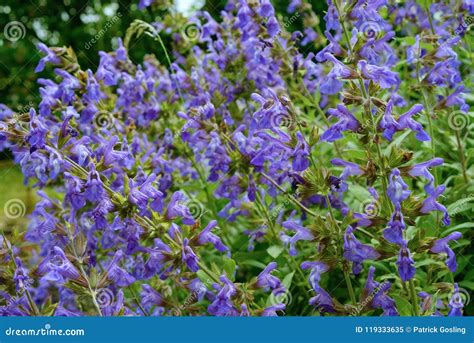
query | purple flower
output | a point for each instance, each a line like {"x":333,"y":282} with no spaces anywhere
{"x":244,"y":14}
{"x":394,"y":230}
{"x":273,"y":27}
{"x":339,"y":69}
{"x":405,"y":263}
{"x":222,"y":304}
{"x":317,"y":268}
{"x":455,"y":98}
{"x":49,"y":58}
{"x":456,"y":303}
{"x":255,"y":236}
{"x":357,"y":252}
{"x":380,"y":299}
{"x":302,"y":234}
{"x":332,"y":84}
{"x":349,"y":168}
{"x":397,"y":190}
{"x":20,"y":277}
{"x":38,"y":132}
{"x":442,"y":246}
{"x":150,"y":297}
{"x":380,"y":75}
{"x":294,"y":4}
{"x":347,"y":122}
{"x":332,"y":17}
{"x":430,"y":204}
{"x":271,"y":311}
{"x":177,"y":208}
{"x":94,"y":188}
{"x":422,"y":170}
{"x":116,"y":307}
{"x":406,"y":122}
{"x":206,"y":236}
{"x":118,"y":275}
{"x":245,"y":311}
{"x":309,"y":36}
{"x":145,"y":3}
{"x":140,"y":195}
{"x":267,"y":281}
{"x":301,"y":153}
{"x":57,"y":267}
{"x":159,"y":255}
{"x":388,"y":123}
{"x":322,"y":301}
{"x":265,"y":8}
{"x":189,"y":257}
{"x":333,"y":47}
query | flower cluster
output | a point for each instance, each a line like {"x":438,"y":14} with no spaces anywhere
{"x":160,"y":184}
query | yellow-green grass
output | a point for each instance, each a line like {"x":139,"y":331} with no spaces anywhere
{"x":16,"y":199}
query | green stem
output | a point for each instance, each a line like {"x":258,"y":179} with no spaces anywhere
{"x":347,"y":277}
{"x":414,"y":300}
{"x":462,"y":157}
{"x":171,"y":68}
{"x":92,"y":292}
{"x":430,"y":125}
{"x":343,"y":25}
{"x":263,"y":209}
{"x":349,"y":287}
{"x":138,"y":301}
{"x":379,"y":151}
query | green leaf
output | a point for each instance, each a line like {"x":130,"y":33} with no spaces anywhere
{"x":203,"y":277}
{"x":403,"y":306}
{"x":287,"y":280}
{"x":229,"y":268}
{"x":428,"y":261}
{"x":467,"y":284}
{"x":253,"y":263}
{"x":49,"y":310}
{"x":275,"y":250}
